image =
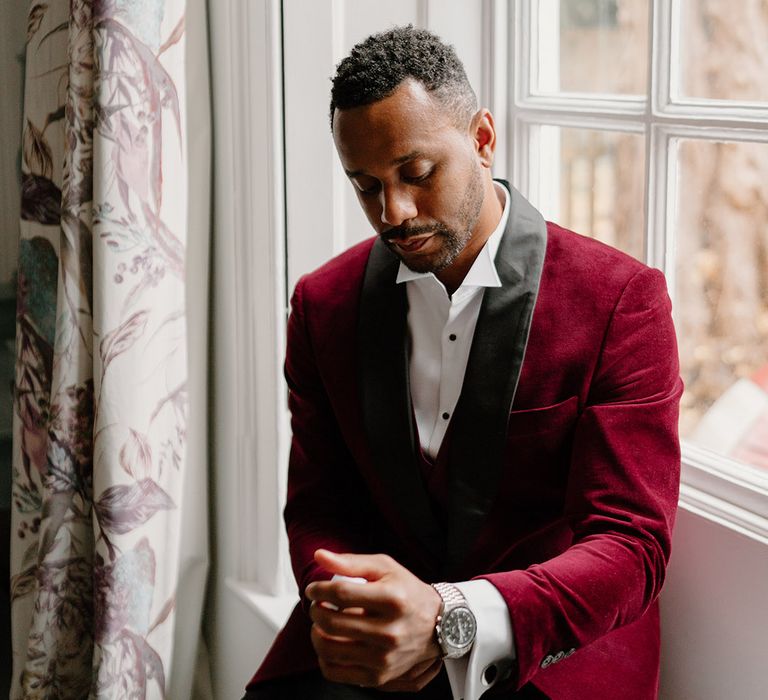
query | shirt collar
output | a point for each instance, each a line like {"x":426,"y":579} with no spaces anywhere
{"x":483,"y":271}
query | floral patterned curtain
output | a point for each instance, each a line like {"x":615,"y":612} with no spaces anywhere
{"x":101,"y":385}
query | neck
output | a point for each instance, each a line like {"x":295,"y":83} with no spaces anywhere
{"x":490,"y":215}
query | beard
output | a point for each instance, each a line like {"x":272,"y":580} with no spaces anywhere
{"x":452,"y":239}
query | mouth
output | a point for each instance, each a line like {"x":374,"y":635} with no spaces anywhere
{"x":411,"y":245}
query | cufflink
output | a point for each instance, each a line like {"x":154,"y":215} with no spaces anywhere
{"x":489,"y":675}
{"x":499,"y":670}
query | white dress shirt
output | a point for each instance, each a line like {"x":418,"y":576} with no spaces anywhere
{"x":441,"y":327}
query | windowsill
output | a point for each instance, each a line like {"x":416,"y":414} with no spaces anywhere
{"x":725,"y":491}
{"x":273,"y":610}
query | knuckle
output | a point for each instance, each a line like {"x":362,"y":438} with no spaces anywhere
{"x":318,"y":641}
{"x":389,"y":660}
{"x":398,"y":601}
{"x":384,"y":660}
{"x":314,"y":611}
{"x":324,"y":670}
{"x":390,"y":638}
{"x":377,"y":659}
{"x":373,"y":677}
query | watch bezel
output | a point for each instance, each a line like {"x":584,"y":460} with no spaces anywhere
{"x":450,"y":649}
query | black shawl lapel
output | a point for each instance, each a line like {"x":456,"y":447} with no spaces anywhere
{"x":479,"y":423}
{"x":386,"y":397}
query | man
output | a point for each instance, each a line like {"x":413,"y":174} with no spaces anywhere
{"x":480,"y":401}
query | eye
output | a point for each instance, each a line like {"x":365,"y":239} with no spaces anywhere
{"x":418,"y":177}
{"x":366,"y":188}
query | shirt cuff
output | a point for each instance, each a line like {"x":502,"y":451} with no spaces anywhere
{"x":494,"y":649}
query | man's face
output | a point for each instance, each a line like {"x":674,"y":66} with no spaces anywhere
{"x":416,"y":175}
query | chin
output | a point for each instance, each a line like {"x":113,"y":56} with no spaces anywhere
{"x":424,"y":265}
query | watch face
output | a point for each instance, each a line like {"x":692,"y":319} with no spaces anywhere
{"x":459,"y":627}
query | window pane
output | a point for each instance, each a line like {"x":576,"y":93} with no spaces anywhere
{"x":722,"y":296}
{"x":724,"y":50}
{"x":598,"y":46}
{"x":593,"y":183}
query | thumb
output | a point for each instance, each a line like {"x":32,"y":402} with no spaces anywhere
{"x":369,"y":566}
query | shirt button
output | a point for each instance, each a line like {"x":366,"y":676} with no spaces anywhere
{"x":446,"y":415}
{"x":452,"y":336}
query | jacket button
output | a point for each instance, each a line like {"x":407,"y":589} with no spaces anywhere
{"x":548,"y":661}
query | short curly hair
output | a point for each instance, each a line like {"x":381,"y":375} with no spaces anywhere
{"x":379,"y":64}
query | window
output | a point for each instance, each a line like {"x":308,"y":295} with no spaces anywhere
{"x":645,"y":124}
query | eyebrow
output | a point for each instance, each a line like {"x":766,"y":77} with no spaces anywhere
{"x":413,"y":155}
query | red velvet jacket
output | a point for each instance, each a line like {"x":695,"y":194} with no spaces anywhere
{"x":564,"y":459}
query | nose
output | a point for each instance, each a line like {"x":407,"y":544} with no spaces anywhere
{"x":397,"y":206}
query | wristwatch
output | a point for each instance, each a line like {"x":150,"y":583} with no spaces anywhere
{"x":455,"y":626}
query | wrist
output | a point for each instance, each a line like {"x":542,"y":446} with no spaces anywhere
{"x":434,"y":608}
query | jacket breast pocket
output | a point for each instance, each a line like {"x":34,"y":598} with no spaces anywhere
{"x":539,"y":444}
{"x":547,"y":419}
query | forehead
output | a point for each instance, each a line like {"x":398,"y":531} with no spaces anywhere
{"x":409,"y":120}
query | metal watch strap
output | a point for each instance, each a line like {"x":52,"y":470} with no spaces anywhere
{"x":450,"y":594}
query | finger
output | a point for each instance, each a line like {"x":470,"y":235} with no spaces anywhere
{"x":346,"y":652}
{"x":414,"y":680}
{"x":368,"y":566}
{"x":377,"y":598}
{"x":351,"y":626}
{"x":349,"y":674}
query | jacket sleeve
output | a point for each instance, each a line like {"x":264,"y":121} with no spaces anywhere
{"x":622,"y":490}
{"x":326,"y":500}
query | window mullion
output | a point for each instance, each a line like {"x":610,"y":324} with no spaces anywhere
{"x":660,"y":244}
{"x":525,"y":45}
{"x":663,"y":47}
{"x":521,"y":176}
{"x":498,"y":89}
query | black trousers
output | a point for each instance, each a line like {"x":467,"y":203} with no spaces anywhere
{"x":312,"y":686}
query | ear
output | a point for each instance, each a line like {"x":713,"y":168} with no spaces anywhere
{"x":483,"y":131}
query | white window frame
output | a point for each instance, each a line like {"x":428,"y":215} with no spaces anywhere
{"x":254,"y":215}
{"x":251,"y":432}
{"x":714,"y":486}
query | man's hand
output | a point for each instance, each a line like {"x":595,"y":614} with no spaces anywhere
{"x":383,"y":633}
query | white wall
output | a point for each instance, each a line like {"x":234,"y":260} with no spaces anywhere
{"x":715,"y":613}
